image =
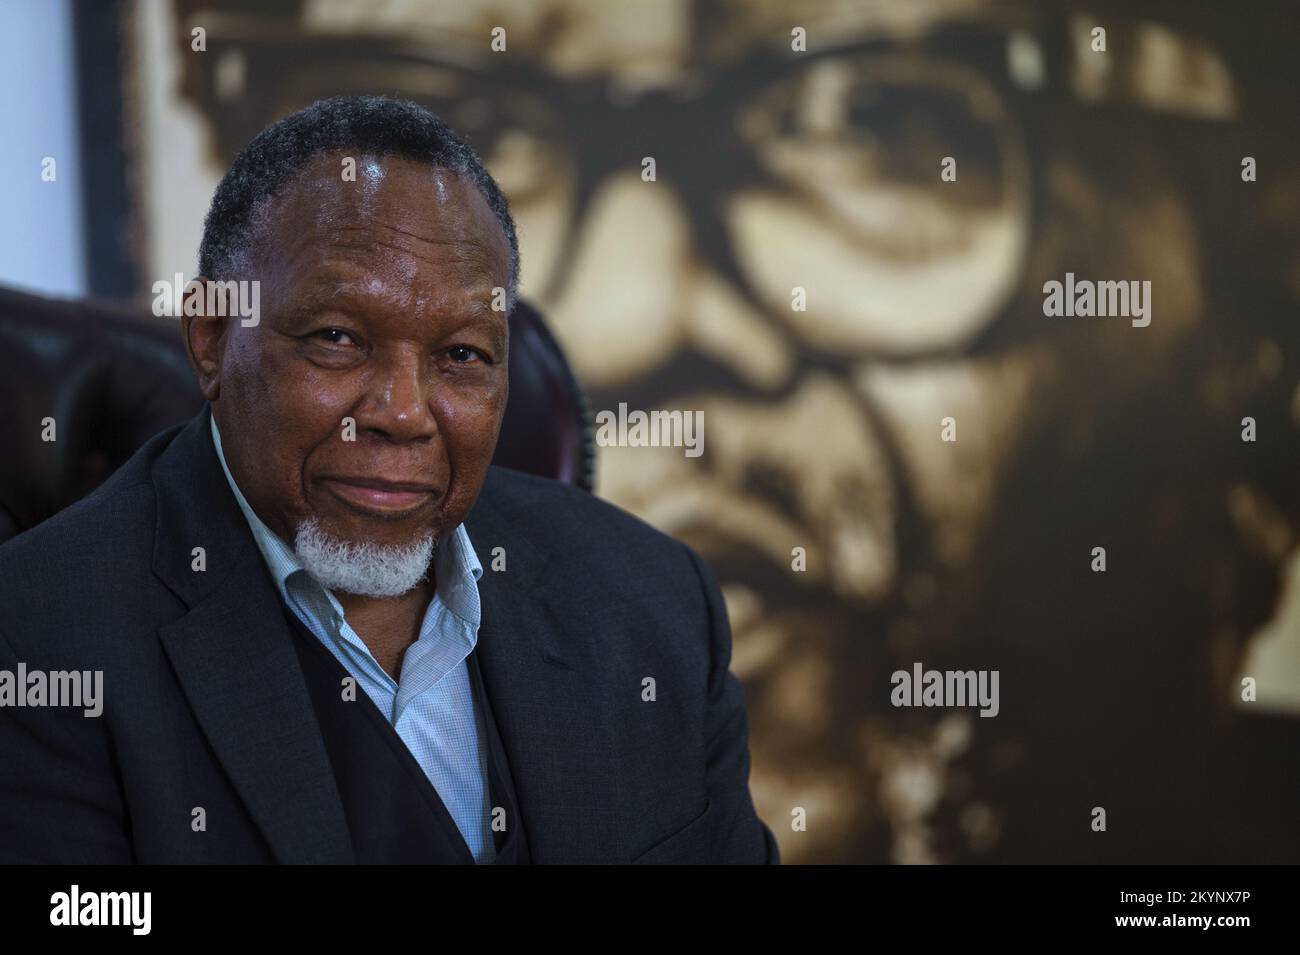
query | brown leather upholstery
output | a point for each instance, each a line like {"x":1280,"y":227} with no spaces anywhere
{"x":111,"y":379}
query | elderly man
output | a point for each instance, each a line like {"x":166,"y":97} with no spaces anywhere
{"x":328,"y":630}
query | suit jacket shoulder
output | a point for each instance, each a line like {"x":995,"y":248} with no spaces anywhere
{"x":582,"y":540}
{"x":636,"y":620}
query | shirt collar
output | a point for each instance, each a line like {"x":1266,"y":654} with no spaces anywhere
{"x":457,"y":568}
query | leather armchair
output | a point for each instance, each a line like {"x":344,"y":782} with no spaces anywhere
{"x":111,"y":379}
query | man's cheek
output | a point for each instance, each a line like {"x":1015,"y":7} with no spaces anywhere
{"x":472,"y":422}
{"x":267,"y":393}
{"x":325,"y":407}
{"x":470,"y":448}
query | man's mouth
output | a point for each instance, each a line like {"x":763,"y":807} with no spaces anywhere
{"x":380,"y":495}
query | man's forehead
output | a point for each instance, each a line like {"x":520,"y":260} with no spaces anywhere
{"x":330,"y":274}
{"x":391,"y":203}
{"x":343,"y":178}
{"x":387,"y":307}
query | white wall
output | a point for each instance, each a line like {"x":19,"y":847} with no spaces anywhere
{"x":40,"y":222}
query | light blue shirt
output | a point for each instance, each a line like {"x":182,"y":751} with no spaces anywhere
{"x":432,"y":706}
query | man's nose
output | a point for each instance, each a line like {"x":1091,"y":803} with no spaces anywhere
{"x":398,"y":400}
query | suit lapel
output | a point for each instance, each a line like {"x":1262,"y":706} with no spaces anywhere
{"x":235,"y":660}
{"x":544,"y":680}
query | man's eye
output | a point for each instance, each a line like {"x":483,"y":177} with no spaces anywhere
{"x":463,"y":353}
{"x":335,"y":336}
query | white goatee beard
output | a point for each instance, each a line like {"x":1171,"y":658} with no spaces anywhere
{"x":363,"y":568}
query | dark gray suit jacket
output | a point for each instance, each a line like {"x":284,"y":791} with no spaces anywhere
{"x":206,"y":704}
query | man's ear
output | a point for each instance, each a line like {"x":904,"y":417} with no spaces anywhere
{"x":205,"y":336}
